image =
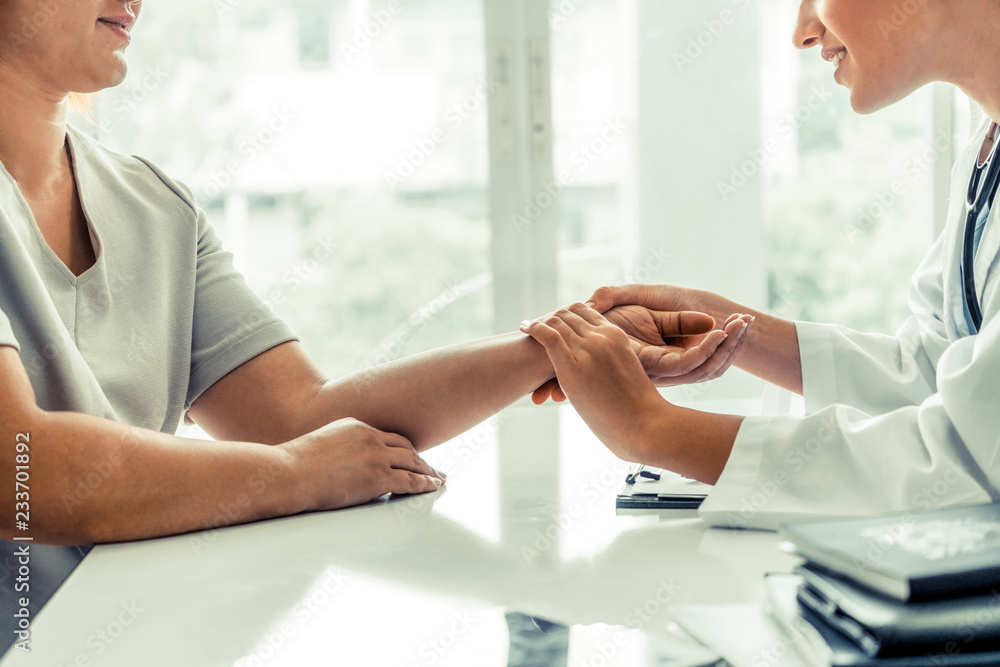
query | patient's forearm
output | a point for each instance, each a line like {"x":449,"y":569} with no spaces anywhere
{"x":432,"y":397}
{"x":94,"y":480}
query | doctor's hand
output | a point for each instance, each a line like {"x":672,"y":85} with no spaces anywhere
{"x":669,"y":299}
{"x":767,"y":348}
{"x":598,"y":370}
{"x":681,"y":347}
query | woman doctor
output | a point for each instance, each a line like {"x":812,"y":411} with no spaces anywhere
{"x":894,"y":422}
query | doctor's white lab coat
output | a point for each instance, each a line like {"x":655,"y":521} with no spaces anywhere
{"x":893,"y":423}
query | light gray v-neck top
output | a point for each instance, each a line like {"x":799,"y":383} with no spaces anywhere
{"x":156,"y":321}
{"x":159,"y":318}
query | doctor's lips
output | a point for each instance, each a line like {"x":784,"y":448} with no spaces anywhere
{"x":121,"y":25}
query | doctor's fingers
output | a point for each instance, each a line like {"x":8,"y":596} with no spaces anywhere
{"x":550,"y":389}
{"x":575,"y":322}
{"x":726,"y":354}
{"x":724,"y":357}
{"x":698,"y":362}
{"x":655,"y":297}
{"x":552,"y":339}
{"x":587,"y":315}
{"x":671,"y":364}
{"x":682,"y":323}
{"x":734,"y":355}
{"x":729,"y":320}
{"x":670,"y":368}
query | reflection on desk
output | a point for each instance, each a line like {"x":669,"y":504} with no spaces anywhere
{"x":523,"y":531}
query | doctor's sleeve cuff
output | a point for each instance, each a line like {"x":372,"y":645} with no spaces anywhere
{"x":819,"y":376}
{"x":730,"y":504}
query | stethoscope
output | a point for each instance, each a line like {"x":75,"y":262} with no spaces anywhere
{"x":979,"y":199}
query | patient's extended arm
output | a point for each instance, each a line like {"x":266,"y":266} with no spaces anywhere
{"x":432,"y":397}
{"x":336,"y":443}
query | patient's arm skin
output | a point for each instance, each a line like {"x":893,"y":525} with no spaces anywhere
{"x":326,"y":455}
{"x":338,"y":443}
{"x":608,"y":386}
{"x":432,"y":397}
{"x":88,"y":479}
{"x":428,"y":398}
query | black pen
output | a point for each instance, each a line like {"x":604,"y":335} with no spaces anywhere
{"x":633,"y":473}
{"x":638,"y":470}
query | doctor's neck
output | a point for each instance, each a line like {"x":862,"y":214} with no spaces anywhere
{"x":969,"y":52}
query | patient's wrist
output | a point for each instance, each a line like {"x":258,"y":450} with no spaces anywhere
{"x":712,"y":304}
{"x":535,"y":358}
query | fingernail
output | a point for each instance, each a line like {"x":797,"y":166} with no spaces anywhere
{"x":592,"y":304}
{"x":434,"y":480}
{"x":525,"y":324}
{"x":440,"y":474}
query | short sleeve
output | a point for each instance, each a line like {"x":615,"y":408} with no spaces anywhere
{"x":7,"y":333}
{"x":231,"y":324}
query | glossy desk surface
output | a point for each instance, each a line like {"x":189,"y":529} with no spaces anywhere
{"x":522,"y":530}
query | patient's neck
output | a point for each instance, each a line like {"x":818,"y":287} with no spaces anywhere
{"x":32,"y":129}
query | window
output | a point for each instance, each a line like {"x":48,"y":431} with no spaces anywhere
{"x":348,"y":178}
{"x":397,"y":175}
{"x":345,"y":144}
{"x":849,"y":201}
{"x":312,"y":21}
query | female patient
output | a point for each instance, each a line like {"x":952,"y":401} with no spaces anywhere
{"x":120,"y":312}
{"x":896,"y":422}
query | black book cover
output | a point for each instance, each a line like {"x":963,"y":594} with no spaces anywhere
{"x":884,"y":627}
{"x":820,"y":644}
{"x":909,"y":556}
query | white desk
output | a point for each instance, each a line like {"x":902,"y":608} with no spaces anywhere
{"x":420,"y":581}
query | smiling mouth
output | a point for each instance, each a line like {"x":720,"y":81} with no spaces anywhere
{"x":119,"y":26}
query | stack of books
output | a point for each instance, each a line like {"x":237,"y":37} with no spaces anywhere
{"x":899,"y":590}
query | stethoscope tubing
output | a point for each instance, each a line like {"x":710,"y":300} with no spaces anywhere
{"x":977,"y":199}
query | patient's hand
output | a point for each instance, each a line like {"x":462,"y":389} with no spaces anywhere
{"x":674,"y":348}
